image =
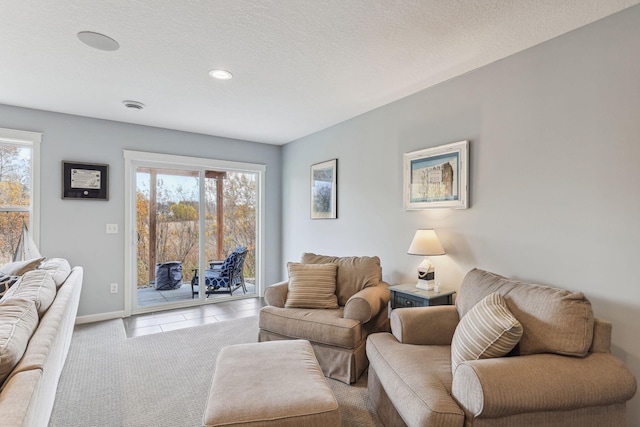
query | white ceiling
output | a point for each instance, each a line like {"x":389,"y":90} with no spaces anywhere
{"x":299,"y":66}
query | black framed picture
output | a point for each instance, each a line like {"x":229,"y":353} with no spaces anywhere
{"x":85,"y":181}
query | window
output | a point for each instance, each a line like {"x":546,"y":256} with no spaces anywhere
{"x":19,"y":192}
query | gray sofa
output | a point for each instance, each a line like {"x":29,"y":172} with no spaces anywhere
{"x":561,"y":372}
{"x":28,"y":392}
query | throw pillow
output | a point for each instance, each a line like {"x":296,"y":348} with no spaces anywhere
{"x":312,"y":286}
{"x":487,"y":330}
{"x":18,"y":321}
{"x":58,"y":268}
{"x":6,"y":282}
{"x":37,"y":286}
{"x":18,"y":268}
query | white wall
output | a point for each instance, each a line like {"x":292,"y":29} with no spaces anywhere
{"x":75,"y":229}
{"x":554,"y":179}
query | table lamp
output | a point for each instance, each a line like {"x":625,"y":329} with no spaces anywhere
{"x":426,"y":243}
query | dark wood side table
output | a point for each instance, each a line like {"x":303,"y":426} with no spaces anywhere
{"x":408,"y":295}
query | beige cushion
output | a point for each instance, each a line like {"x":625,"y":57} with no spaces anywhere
{"x":18,"y":268}
{"x":327,"y":327}
{"x":487,"y":330}
{"x":354,"y":273}
{"x":18,"y":320}
{"x":553,"y":320}
{"x":311,"y":286}
{"x":37,"y":286}
{"x":58,"y":268}
{"x":417,"y":378}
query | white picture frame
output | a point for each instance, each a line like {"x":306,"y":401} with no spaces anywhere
{"x":324,"y":190}
{"x":437,"y":177}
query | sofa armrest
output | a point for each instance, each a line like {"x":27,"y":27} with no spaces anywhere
{"x":492,"y":388}
{"x":276,"y":294}
{"x":424,"y":325}
{"x":601,"y":336}
{"x":367,"y":303}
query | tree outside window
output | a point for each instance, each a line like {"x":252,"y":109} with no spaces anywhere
{"x":16,"y":192}
{"x":176,"y":220}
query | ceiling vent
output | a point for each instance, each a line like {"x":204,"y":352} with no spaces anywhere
{"x":133,"y":105}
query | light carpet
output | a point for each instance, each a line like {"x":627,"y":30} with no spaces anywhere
{"x":162,"y":379}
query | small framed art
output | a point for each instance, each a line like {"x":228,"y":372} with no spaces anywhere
{"x":437,"y":177}
{"x":324,"y":190}
{"x":85,"y":181}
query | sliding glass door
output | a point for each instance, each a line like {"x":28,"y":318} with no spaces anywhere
{"x":187,"y":219}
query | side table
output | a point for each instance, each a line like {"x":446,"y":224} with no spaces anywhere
{"x":407,"y":295}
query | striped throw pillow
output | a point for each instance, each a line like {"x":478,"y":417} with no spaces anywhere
{"x":487,"y":330}
{"x":312,"y":286}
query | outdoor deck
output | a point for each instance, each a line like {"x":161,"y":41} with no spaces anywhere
{"x":150,"y":296}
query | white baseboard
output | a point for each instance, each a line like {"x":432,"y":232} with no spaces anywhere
{"x":99,"y":317}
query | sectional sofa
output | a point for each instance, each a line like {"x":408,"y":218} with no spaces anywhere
{"x":37,"y":316}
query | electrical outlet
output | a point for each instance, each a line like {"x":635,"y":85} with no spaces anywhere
{"x":112,"y":228}
{"x":114,"y":288}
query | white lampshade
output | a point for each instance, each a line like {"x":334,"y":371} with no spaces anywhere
{"x":425,"y":243}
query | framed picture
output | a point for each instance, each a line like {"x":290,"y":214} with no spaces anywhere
{"x":437,"y":177}
{"x":85,"y":181}
{"x":324,"y":190}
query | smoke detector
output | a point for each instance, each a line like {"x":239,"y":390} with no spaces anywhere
{"x":133,"y":105}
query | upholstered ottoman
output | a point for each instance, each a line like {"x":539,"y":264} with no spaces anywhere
{"x":277,"y":383}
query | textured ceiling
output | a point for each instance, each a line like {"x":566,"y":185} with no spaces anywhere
{"x":299,"y":66}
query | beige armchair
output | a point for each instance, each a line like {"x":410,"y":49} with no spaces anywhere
{"x":561,"y":372}
{"x":337,"y":335}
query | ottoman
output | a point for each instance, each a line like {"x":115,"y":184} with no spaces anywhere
{"x":276,"y":383}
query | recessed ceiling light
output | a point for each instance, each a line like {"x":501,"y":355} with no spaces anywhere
{"x":221,"y":74}
{"x":98,"y":41}
{"x":133,"y":105}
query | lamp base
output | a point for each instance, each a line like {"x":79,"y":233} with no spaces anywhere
{"x":426,"y":285}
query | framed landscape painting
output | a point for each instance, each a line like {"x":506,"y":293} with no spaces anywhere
{"x":437,"y":177}
{"x":324,"y":190}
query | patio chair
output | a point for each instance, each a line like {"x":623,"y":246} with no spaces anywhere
{"x":223,"y":277}
{"x":168,"y":275}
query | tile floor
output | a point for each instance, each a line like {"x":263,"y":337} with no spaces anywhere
{"x":169,"y":320}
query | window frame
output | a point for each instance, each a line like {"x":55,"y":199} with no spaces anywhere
{"x":133,"y":159}
{"x":23,"y":138}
